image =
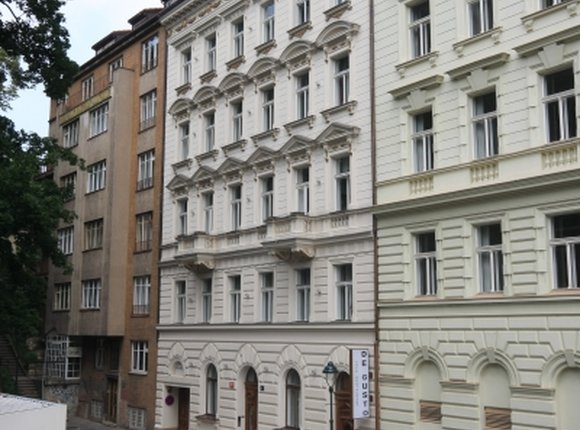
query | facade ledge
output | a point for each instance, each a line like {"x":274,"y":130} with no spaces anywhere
{"x":265,"y":47}
{"x":181,"y":166}
{"x":237,"y":145}
{"x":207,"y":155}
{"x":535,"y":46}
{"x":492,"y":34}
{"x":338,"y":10}
{"x":268,"y":134}
{"x":72,"y":110}
{"x":183,"y":89}
{"x":533,"y":392}
{"x":423,"y":84}
{"x":459,"y":386}
{"x":300,"y":30}
{"x":348,"y":107}
{"x":208,"y":76}
{"x":529,"y":20}
{"x":299,"y":123}
{"x":485,"y":63}
{"x":234,"y":63}
{"x":430,"y":58}
{"x":208,"y":419}
{"x":396,"y":380}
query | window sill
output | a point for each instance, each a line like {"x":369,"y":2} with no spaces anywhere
{"x":94,"y":136}
{"x":338,"y":10}
{"x":239,"y":144}
{"x":268,"y":134}
{"x":492,"y":34}
{"x":140,"y":315}
{"x":265,"y":47}
{"x":147,"y":125}
{"x":290,"y":126}
{"x":208,"y":76}
{"x":147,"y":70}
{"x":207,"y":155}
{"x":348,"y":106}
{"x":430,"y":58}
{"x":300,"y":29}
{"x":208,"y":418}
{"x":137,"y":373}
{"x":94,"y":192}
{"x":564,"y":292}
{"x":529,"y":20}
{"x":235,"y":62}
{"x":100,"y":248}
{"x":60,"y":311}
{"x":182,"y":89}
{"x":90,"y":309}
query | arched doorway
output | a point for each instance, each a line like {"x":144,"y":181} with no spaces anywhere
{"x":344,"y":402}
{"x":251,"y":400}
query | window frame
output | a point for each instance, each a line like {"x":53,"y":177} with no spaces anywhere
{"x":145,"y":169}
{"x":342,"y":183}
{"x":302,"y":11}
{"x":141,"y":295}
{"x":182,"y":216}
{"x":267,"y":197}
{"x":302,"y":189}
{"x":238,"y":37}
{"x":489,"y":146}
{"x":70,"y":134}
{"x":237,"y":120}
{"x":180,"y":301}
{"x":565,"y":100}
{"x":184,"y":132}
{"x":94,"y":234}
{"x":423,"y":142}
{"x":96,"y":176}
{"x":267,"y":296}
{"x":293,"y":399}
{"x":143,"y":231}
{"x":62,"y":296}
{"x":235,"y":282}
{"x":99,"y":120}
{"x":268,"y":21}
{"x":303,"y":290}
{"x":207,"y":300}
{"x":65,"y":237}
{"x":91,"y":294}
{"x":420,"y":30}
{"x":186,"y":66}
{"x":268,"y":108}
{"x":208,"y":206}
{"x":211,"y":52}
{"x":211,"y":390}
{"x":139,"y":357}
{"x":427,"y":282}
{"x":302,"y":95}
{"x":148,"y":109}
{"x":236,"y":206}
{"x":480,"y":12}
{"x":571,"y":247}
{"x":493,"y":253}
{"x":209,"y":130}
{"x":341,"y":80}
{"x":149,"y":53}
{"x":87,"y":87}
{"x":344,"y":291}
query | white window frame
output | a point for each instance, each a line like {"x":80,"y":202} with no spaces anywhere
{"x":293,"y":388}
{"x":561,"y":99}
{"x":96,"y":176}
{"x":303,"y":11}
{"x":420,"y":30}
{"x":571,"y":247}
{"x":113,"y":66}
{"x":182,"y":217}
{"x":267,"y":183}
{"x":426,"y":266}
{"x":480,"y":16}
{"x":486,"y":141}
{"x":145,"y":171}
{"x":144,"y":231}
{"x":303,"y":189}
{"x":303,"y":281}
{"x":268,"y":98}
{"x":186,"y":57}
{"x":69,"y":183}
{"x":66,"y":240}
{"x":238,"y":37}
{"x":94,"y":234}
{"x":211,"y":47}
{"x":235,"y":298}
{"x":148,"y":109}
{"x":302,"y":95}
{"x":91,"y":294}
{"x":208,"y":200}
{"x":180,"y":301}
{"x":184,"y":140}
{"x":211,"y":390}
{"x":139,"y":356}
{"x":269,"y":19}
{"x":342,"y":80}
{"x":209,"y":129}
{"x":87,"y":88}
{"x":141,"y":295}
{"x":267,"y":294}
{"x":62,"y":295}
{"x":136,"y":418}
{"x":99,"y":120}
{"x":342,"y":183}
{"x":70,"y":134}
{"x":422,"y":139}
{"x":344,"y":293}
{"x":237,"y":120}
{"x":149,"y":53}
{"x":236,"y":206}
{"x":490,"y":259}
{"x":206,"y":299}
{"x":545,"y":4}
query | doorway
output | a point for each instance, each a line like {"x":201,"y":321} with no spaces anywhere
{"x":111,"y":403}
{"x":183,"y":409}
{"x":343,"y":398}
{"x":251,"y":400}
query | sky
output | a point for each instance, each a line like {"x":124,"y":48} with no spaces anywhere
{"x":87,"y":21}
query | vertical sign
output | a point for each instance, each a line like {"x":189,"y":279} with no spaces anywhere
{"x":361,"y":392}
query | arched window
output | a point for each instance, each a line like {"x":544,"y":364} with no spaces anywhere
{"x":211,"y":391}
{"x":293,"y":400}
{"x":428,"y":393}
{"x":567,"y":393}
{"x":495,"y":396}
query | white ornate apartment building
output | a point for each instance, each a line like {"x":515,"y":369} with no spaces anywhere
{"x":478,"y":216}
{"x":267,"y":247}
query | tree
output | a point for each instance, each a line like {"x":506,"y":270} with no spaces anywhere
{"x":33,"y":45}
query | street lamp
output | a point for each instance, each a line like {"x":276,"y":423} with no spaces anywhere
{"x":330,"y":371}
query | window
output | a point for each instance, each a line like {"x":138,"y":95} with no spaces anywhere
{"x":97,"y":409}
{"x":490,"y":258}
{"x":144,"y":233}
{"x":236,"y":206}
{"x":303,"y":11}
{"x":139,"y":356}
{"x":70,"y":134}
{"x":267,"y":296}
{"x":114,"y":65}
{"x":302,"y":95}
{"x":186,"y":66}
{"x":420,"y":29}
{"x":344,"y":291}
{"x":136,"y":418}
{"x":62,"y":297}
{"x":91,"y":294}
{"x":303,"y":189}
{"x":485,"y":125}
{"x":293,"y":399}
{"x":480,"y":15}
{"x":96,"y":176}
{"x":423,"y":141}
{"x":235,"y":298}
{"x":303,"y":294}
{"x":238,"y":120}
{"x":148,"y":106}
{"x":548,"y":3}
{"x":145,"y":170}
{"x":565,"y":246}
{"x":209,"y":119}
{"x":69,"y":183}
{"x":180,"y":301}
{"x":94,"y":234}
{"x":182,"y":217}
{"x":100,"y":354}
{"x":342,"y":178}
{"x":268,"y":108}
{"x":268,"y":12}
{"x":99,"y":119}
{"x":267,"y":197}
{"x":426,"y":264}
{"x":211,"y":46}
{"x":87,"y":88}
{"x":341,"y":80}
{"x":208,"y":211}
{"x":560,"y":105}
{"x":184,"y":140}
{"x":206,"y":300}
{"x":149,"y":53}
{"x":211,"y":391}
{"x":141,"y":294}
{"x":238,"y":28}
{"x":66,"y":240}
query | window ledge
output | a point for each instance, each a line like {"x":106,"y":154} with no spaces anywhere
{"x":137,"y":373}
{"x":180,"y":165}
{"x":338,"y":10}
{"x":492,"y":34}
{"x":182,"y":89}
{"x":300,"y":29}
{"x":268,"y":134}
{"x":239,"y":144}
{"x":265,"y":47}
{"x":208,"y":76}
{"x":431,"y":58}
{"x":348,"y":106}
{"x":234,"y":63}
{"x":529,"y":20}
{"x":207,"y":155}
{"x":290,"y":126}
{"x":208,"y":418}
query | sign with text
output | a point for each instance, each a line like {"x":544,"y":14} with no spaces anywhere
{"x":361,"y":387}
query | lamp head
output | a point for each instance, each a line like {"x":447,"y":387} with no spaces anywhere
{"x":330,"y":371}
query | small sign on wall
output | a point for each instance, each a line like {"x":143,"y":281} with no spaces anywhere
{"x":361,"y":392}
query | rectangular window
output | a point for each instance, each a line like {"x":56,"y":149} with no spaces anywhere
{"x":180,"y":301}
{"x":99,"y":119}
{"x":149,"y":53}
{"x":136,"y":418}
{"x":489,"y":251}
{"x":485,"y":125}
{"x":139,"y":356}
{"x":303,"y":11}
{"x":549,"y":3}
{"x":91,"y":294}
{"x":94,"y":234}
{"x":141,"y":294}
{"x":182,"y":217}
{"x":62,"y":297}
{"x":423,"y":141}
{"x":206,"y":300}
{"x":268,"y":108}
{"x":114,"y":65}
{"x":342,"y":178}
{"x":303,"y":189}
{"x":66,"y":240}
{"x":342,"y":80}
{"x":302,"y":95}
{"x":344,"y":291}
{"x":184,"y":140}
{"x":209,"y":120}
{"x":144,"y":233}
{"x":96,"y":176}
{"x":211,"y":46}
{"x":69,"y":184}
{"x":420,"y":29}
{"x":148,"y":109}
{"x":560,"y":105}
{"x":565,"y":246}
{"x":87,"y":88}
{"x":208,"y":211}
{"x":480,"y":15}
{"x":70,"y":134}
{"x":146,"y":161}
{"x":100,"y":354}
{"x":303,"y":294}
{"x":426,"y":263}
{"x":267,"y":197}
{"x":238,"y":120}
{"x":238,"y":29}
{"x":236,"y":206}
{"x":97,"y":409}
{"x":235,"y":298}
{"x":268,"y":12}
{"x":186,"y":66}
{"x":267,"y":296}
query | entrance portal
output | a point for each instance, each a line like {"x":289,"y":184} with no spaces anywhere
{"x":251,"y":399}
{"x":343,"y":397}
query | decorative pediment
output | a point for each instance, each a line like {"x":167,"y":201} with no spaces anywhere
{"x":178,"y":184}
{"x":180,"y":109}
{"x":297,"y":150}
{"x":337,"y":36}
{"x":205,"y":97}
{"x":263,"y":71}
{"x":203,"y":27}
{"x":204,"y":173}
{"x":337,"y":131}
{"x":423,"y":84}
{"x":262,"y":160}
{"x":233,"y":85}
{"x":484,"y":63}
{"x":297,"y":54}
{"x":234,"y":9}
{"x":231,"y":169}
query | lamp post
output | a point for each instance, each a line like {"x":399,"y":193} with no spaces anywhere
{"x":330,"y":371}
